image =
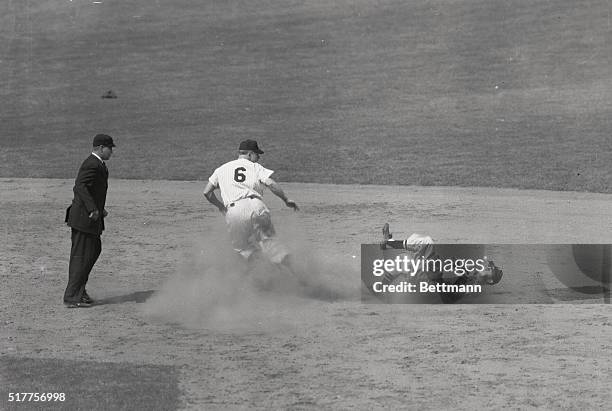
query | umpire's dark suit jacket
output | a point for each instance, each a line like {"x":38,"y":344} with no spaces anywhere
{"x":89,"y":194}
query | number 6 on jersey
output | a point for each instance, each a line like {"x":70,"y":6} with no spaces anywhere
{"x":239,"y":175}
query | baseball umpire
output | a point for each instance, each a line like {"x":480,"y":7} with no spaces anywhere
{"x":86,"y":218}
{"x":241,"y":183}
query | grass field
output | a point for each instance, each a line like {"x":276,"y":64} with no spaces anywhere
{"x":470,"y":93}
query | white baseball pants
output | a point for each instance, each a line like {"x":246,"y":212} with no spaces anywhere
{"x":250,"y":227}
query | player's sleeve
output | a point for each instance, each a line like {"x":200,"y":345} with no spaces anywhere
{"x":214,"y":178}
{"x":263,"y":174}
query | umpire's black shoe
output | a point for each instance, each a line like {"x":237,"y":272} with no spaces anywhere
{"x":80,"y":304}
{"x":86,"y":298}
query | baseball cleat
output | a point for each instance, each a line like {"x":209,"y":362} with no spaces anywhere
{"x":386,"y":236}
{"x":86,"y":298}
{"x":77,"y":305}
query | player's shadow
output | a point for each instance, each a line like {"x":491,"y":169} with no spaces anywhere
{"x":136,"y":297}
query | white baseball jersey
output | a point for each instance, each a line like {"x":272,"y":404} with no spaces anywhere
{"x":241,"y":183}
{"x":240,"y":179}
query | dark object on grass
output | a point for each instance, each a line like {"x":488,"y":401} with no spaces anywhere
{"x":109,"y":94}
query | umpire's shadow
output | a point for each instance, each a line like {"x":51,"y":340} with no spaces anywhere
{"x":136,"y":297}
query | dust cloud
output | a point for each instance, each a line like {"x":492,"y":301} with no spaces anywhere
{"x":214,"y":288}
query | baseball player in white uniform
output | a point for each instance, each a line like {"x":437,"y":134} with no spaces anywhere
{"x":241,"y":183}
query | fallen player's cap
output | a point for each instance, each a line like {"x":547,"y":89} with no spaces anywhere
{"x":103,"y":140}
{"x":250,"y":145}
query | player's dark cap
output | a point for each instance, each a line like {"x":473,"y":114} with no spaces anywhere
{"x":103,"y":140}
{"x":250,"y":145}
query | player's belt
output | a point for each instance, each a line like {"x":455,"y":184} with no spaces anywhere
{"x":251,"y":197}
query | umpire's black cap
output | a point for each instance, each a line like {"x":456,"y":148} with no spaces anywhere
{"x":103,"y":140}
{"x":250,"y":145}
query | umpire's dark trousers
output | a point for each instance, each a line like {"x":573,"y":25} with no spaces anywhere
{"x":84,"y":253}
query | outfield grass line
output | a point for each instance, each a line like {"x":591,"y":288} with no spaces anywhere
{"x":485,"y":190}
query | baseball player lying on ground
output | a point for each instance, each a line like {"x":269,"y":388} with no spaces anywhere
{"x":419,"y":246}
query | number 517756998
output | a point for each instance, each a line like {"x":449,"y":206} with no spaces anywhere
{"x":36,"y":396}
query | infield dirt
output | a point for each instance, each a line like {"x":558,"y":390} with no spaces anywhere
{"x":169,"y":297}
